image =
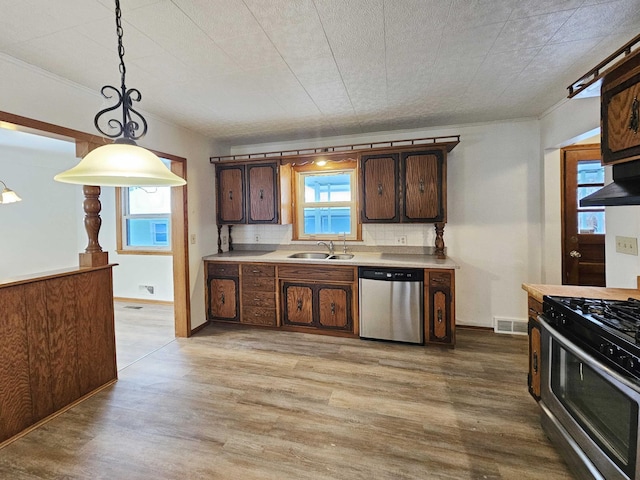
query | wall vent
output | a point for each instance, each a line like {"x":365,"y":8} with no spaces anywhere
{"x":512,"y":326}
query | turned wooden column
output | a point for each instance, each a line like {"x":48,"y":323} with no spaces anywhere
{"x":93,"y":256}
{"x":440,"y":240}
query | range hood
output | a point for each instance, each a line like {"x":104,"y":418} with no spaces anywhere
{"x":624,"y":190}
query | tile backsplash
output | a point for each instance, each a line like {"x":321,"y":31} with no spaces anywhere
{"x":421,"y":235}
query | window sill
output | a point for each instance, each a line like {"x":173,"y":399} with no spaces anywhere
{"x":144,"y":252}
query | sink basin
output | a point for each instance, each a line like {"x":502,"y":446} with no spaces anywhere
{"x":341,"y":256}
{"x":310,"y":255}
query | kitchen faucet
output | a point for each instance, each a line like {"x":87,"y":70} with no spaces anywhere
{"x":329,"y":246}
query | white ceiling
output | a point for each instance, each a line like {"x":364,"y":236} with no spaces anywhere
{"x":248,"y":71}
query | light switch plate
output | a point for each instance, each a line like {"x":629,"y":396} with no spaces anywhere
{"x":628,"y":245}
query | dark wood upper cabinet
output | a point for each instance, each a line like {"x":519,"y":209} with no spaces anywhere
{"x":262,"y":189}
{"x":620,"y":112}
{"x":403,"y":187}
{"x":424,"y":192}
{"x":230,"y":187}
{"x":380,"y":177}
{"x":253,"y":193}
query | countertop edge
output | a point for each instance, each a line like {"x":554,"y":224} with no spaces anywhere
{"x":39,"y":276}
{"x":537,"y":291}
{"x":359,"y":259}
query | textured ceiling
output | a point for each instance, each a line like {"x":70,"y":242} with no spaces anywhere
{"x":247,"y":71}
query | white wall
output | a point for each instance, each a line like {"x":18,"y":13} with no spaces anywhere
{"x":40,"y":232}
{"x":493,"y":227}
{"x":36,"y":94}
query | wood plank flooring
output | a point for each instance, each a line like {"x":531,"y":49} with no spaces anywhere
{"x":257,"y":404}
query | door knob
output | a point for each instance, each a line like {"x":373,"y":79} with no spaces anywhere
{"x":575,"y":254}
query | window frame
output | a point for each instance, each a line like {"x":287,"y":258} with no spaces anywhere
{"x":300,"y":172}
{"x":121,"y":229}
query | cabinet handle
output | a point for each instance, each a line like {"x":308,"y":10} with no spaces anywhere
{"x":255,"y":271}
{"x":634,"y":119}
{"x":230,"y":194}
{"x":333,"y":308}
{"x":535,"y":362}
{"x":222,"y":298}
{"x":421,"y":185}
{"x":261,"y":194}
{"x":439,"y":315}
{"x":379,"y":189}
{"x":299,"y":304}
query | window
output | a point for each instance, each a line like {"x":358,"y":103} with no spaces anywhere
{"x":144,"y":219}
{"x":326,"y":204}
{"x":590,"y":179}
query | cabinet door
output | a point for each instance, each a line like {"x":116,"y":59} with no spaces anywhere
{"x":223,"y":298}
{"x":380,"y":188}
{"x":621,"y":121}
{"x":230,"y":185}
{"x":263,"y":198}
{"x":298,"y":307}
{"x":334,"y":307}
{"x":440,"y":316}
{"x":535,"y":348}
{"x":423,"y":188}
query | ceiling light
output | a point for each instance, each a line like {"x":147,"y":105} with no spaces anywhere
{"x":122,"y":163}
{"x":8,"y":195}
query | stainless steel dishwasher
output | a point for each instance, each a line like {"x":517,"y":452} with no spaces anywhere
{"x":391,"y":302}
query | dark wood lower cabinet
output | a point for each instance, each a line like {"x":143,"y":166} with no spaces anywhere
{"x":258,"y":286}
{"x":317,"y":305}
{"x":223,"y":292}
{"x":440,"y":307}
{"x":535,"y":346}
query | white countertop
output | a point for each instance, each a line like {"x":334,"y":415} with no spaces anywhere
{"x":375,"y":259}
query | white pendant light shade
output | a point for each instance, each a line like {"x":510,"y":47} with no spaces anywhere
{"x":8,"y":195}
{"x":121,"y":165}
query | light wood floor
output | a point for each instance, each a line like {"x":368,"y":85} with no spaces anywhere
{"x":141,"y":328}
{"x":257,"y":404}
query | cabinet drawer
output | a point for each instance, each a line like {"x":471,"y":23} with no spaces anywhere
{"x":258,"y":316}
{"x":321,"y":273}
{"x":251,"y":270}
{"x":259,"y":299}
{"x":439,"y":279}
{"x":535,"y":307}
{"x":222,"y":269}
{"x":260,"y":284}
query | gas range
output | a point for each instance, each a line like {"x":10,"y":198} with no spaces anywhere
{"x":608,"y":329}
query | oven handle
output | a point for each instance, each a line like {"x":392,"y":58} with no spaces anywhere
{"x":585,"y":357}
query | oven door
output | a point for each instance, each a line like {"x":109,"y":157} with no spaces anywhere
{"x":595,"y":406}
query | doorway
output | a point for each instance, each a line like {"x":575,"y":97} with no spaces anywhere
{"x":583,"y":228}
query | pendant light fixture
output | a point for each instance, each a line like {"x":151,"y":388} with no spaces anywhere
{"x":122,"y":163}
{"x":7,"y":195}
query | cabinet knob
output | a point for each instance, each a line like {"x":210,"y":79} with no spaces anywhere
{"x":230,"y":194}
{"x":299,"y":304}
{"x":439,"y":315}
{"x":575,"y":254}
{"x":535,"y":362}
{"x":333,"y":308}
{"x":222,"y":298}
{"x":634,"y":119}
{"x":421,"y":185}
{"x":379,"y":189}
{"x":261,"y":194}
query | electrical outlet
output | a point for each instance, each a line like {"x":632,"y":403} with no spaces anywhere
{"x":224,"y":239}
{"x":193,"y":239}
{"x":628,"y":245}
{"x":257,"y":238}
{"x":401,"y":240}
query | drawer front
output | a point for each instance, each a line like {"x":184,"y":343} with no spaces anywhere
{"x":320,"y":273}
{"x":252,"y":270}
{"x":260,"y":284}
{"x":439,"y":279}
{"x":258,"y":316}
{"x":535,"y":307}
{"x":259,"y":299}
{"x":222,"y":269}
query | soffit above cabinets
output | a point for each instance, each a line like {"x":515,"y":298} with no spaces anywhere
{"x":255,"y":71}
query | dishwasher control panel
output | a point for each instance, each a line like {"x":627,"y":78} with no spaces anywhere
{"x":392,"y":274}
